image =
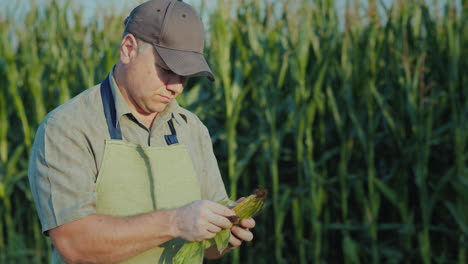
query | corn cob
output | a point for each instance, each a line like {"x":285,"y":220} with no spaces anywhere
{"x":192,"y":252}
{"x":252,"y":205}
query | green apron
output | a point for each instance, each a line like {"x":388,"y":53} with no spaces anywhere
{"x":135,"y":179}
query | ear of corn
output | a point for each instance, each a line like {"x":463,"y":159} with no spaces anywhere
{"x":252,"y":205}
{"x":192,"y":252}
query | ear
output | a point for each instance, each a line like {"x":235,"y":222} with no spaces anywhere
{"x":128,"y":48}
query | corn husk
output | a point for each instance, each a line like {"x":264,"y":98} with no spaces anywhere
{"x":193,"y":252}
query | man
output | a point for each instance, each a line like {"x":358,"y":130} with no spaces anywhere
{"x":121,"y":172}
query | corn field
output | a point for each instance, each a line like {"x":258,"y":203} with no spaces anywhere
{"x":354,"y":118}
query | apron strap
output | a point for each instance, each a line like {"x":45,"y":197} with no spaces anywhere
{"x":109,"y":110}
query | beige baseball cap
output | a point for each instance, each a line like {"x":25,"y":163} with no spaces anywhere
{"x":176,"y":32}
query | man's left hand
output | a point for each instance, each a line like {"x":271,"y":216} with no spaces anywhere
{"x":241,"y":233}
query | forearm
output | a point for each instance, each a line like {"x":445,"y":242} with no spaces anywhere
{"x":100,"y":238}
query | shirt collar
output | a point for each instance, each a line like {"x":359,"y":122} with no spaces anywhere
{"x":166,"y":115}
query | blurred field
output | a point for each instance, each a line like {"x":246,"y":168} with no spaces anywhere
{"x":356,"y":123}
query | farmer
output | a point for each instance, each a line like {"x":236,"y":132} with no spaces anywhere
{"x":121,"y":172}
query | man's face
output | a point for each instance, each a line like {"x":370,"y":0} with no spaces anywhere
{"x":152,"y":87}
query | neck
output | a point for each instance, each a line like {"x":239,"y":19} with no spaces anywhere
{"x":120,"y":76}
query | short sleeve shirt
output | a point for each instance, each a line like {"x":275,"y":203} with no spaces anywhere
{"x":69,"y":146}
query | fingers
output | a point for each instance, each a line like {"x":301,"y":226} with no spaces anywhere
{"x":213,"y":228}
{"x":220,"y":221}
{"x":201,"y":220}
{"x":218,"y":214}
{"x":241,"y":233}
{"x":247,"y":223}
{"x":234,"y":242}
{"x":220,"y":209}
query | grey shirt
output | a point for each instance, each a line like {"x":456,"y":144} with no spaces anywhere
{"x":69,"y":146}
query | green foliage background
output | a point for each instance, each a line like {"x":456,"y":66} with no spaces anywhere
{"x":356,"y":123}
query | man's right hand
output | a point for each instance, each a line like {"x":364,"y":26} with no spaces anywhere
{"x":200,"y":220}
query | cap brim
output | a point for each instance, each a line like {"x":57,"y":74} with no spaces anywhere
{"x":186,"y":63}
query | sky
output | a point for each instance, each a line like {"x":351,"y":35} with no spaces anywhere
{"x":20,"y":7}
{"x":89,"y":6}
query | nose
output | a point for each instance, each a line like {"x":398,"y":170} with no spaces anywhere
{"x":175,"y":84}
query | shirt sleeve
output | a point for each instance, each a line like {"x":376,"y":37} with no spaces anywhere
{"x":212,"y":186}
{"x":61,"y":174}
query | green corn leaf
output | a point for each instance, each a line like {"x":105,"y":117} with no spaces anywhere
{"x":222,"y":239}
{"x":191,"y":252}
